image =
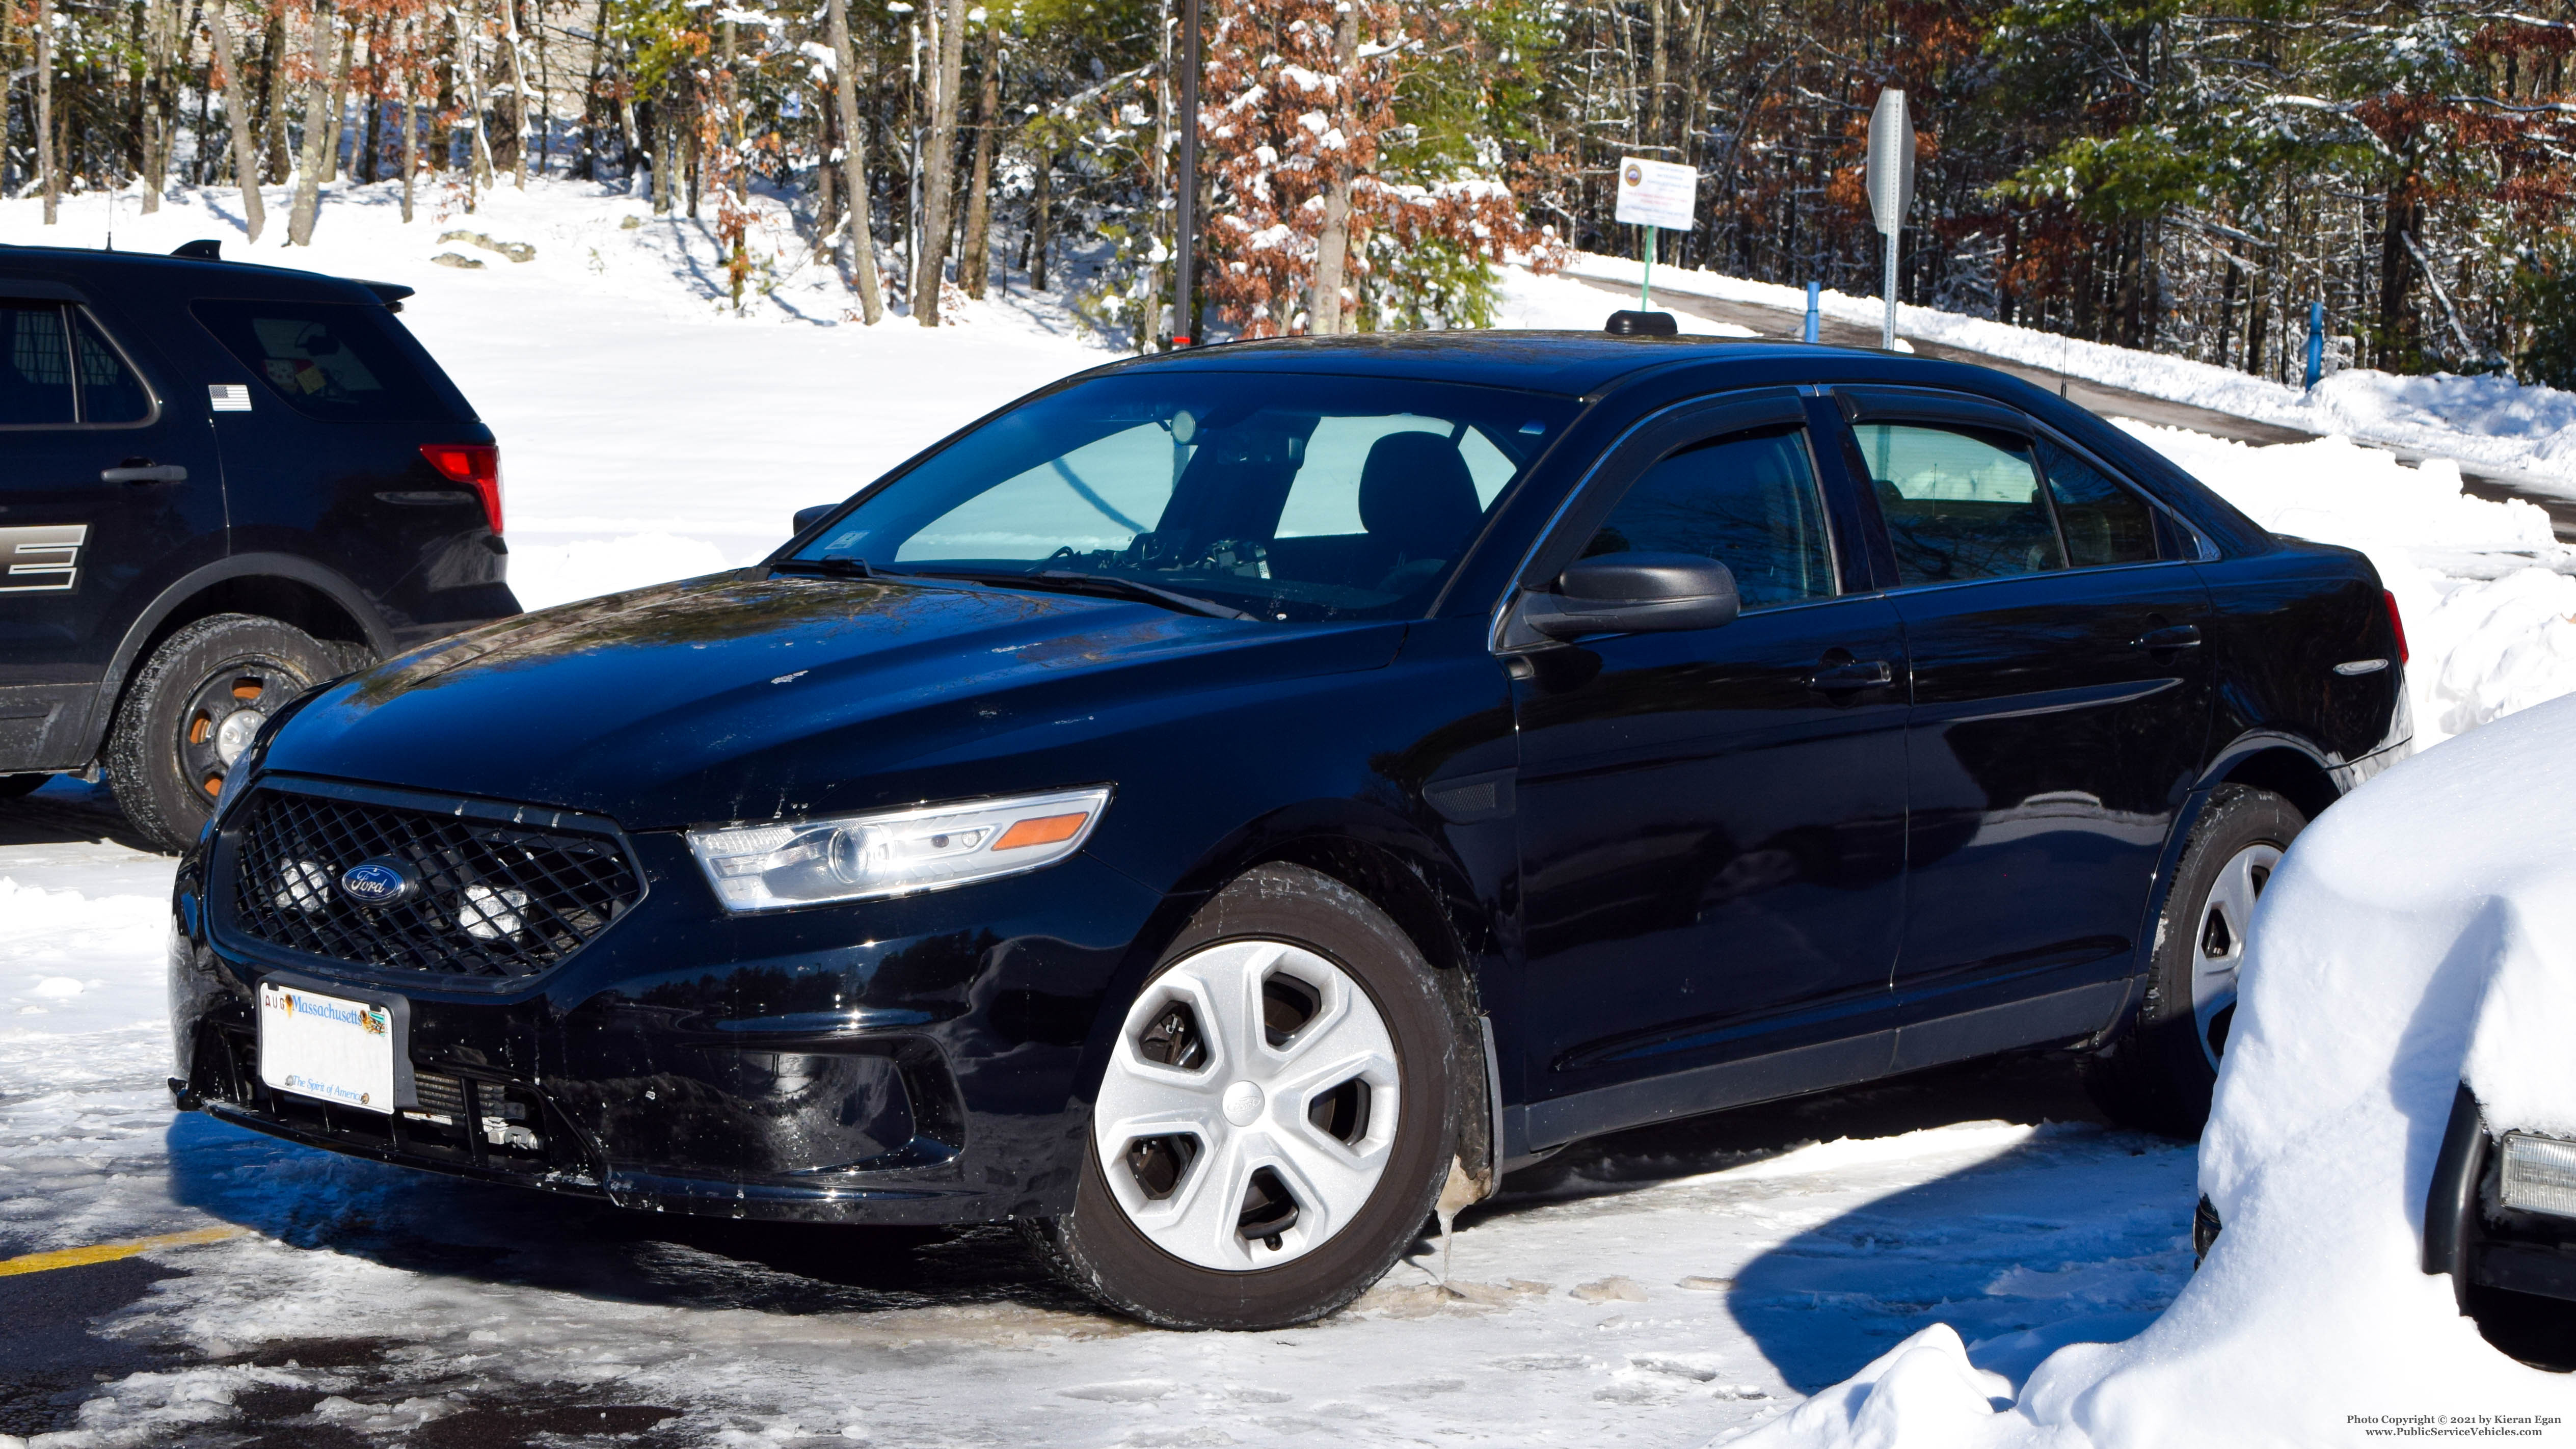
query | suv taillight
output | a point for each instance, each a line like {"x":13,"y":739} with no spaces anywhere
{"x":477,"y":466}
{"x":2394,"y":622}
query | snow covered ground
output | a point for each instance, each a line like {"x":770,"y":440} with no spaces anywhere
{"x":1665,"y":1288}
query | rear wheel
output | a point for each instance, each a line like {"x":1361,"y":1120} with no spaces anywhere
{"x":2160,"y":1075}
{"x":193,"y":708}
{"x":1275,"y":1122}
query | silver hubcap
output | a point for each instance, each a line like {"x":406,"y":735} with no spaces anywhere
{"x":1249,"y":1107}
{"x":2218,"y":951}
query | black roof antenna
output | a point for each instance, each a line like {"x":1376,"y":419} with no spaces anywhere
{"x":204,"y":249}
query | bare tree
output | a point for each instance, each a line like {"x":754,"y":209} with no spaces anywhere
{"x":854,"y":169}
{"x":317,"y":130}
{"x":1333,"y":243}
{"x":237,"y":109}
{"x":939,"y":166}
{"x":975,"y":256}
{"x":45,"y":103}
{"x":519,"y":93}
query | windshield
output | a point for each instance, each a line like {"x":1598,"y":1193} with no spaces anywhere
{"x":1281,"y":495}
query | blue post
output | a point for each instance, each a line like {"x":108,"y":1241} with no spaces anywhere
{"x":2316,"y":342}
{"x":1815,"y":292}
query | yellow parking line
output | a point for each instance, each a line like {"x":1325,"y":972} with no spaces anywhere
{"x":110,"y":1252}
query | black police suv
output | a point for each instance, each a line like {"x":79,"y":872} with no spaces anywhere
{"x":219,"y":485}
{"x":1226,"y":805}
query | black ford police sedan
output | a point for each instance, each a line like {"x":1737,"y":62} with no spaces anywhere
{"x":1224,"y":806}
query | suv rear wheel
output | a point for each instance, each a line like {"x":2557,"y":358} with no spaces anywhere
{"x":2160,"y":1075}
{"x":193,"y":708}
{"x":1276,"y":1120}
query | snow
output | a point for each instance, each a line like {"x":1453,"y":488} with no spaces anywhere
{"x":1660,"y":1291}
{"x":2484,"y":421}
{"x":2380,"y":980}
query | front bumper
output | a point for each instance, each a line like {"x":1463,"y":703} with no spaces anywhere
{"x":921,"y":1060}
{"x":2471,"y":1235}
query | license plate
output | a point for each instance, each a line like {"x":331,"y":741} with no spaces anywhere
{"x":329,"y":1047}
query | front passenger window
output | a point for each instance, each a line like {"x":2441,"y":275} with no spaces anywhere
{"x":1748,"y":502}
{"x":1958,"y":505}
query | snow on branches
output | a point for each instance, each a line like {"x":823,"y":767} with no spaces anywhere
{"x":1300,"y":110}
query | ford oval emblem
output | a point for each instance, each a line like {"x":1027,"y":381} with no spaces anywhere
{"x":379,"y":882}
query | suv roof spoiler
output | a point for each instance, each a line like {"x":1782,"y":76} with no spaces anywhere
{"x":389,"y":293}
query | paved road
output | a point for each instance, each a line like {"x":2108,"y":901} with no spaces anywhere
{"x":2115,"y":402}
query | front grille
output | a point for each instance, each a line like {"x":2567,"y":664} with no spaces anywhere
{"x":492,"y":897}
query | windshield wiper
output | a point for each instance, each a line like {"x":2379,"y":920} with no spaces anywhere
{"x":834,"y":568}
{"x":1072,"y":582}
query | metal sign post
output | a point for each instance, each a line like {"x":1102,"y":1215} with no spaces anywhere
{"x":1658,"y":196}
{"x":1890,"y":174}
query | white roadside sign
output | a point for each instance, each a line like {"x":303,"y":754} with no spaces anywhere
{"x":1657,"y":194}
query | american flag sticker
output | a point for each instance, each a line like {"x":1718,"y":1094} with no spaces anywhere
{"x":229,"y":397}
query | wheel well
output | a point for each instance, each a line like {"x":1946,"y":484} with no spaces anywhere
{"x":2291,"y":775}
{"x":1389,"y":883}
{"x":285,"y":600}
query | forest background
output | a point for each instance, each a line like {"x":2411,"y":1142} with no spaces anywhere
{"x":2184,"y":176}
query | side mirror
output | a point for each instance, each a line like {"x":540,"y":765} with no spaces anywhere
{"x":807,"y":517}
{"x":1633,"y":593}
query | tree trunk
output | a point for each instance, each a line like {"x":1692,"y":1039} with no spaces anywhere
{"x":45,"y":104}
{"x":519,"y":94}
{"x":1654,"y":107}
{"x":374,"y":169}
{"x":1332,"y":245}
{"x":272,"y":81}
{"x":237,"y":112}
{"x":410,"y":140}
{"x":939,"y":167}
{"x":977,"y":255}
{"x":479,"y":169}
{"x":339,"y":105}
{"x":317,"y":132}
{"x":1038,"y":206}
{"x":854,"y":168}
{"x":156,"y":98}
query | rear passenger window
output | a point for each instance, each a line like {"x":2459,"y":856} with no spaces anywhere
{"x":1958,"y":505}
{"x":1748,"y":502}
{"x":2105,"y":523}
{"x":336,"y":361}
{"x":35,"y":368}
{"x":109,"y":390}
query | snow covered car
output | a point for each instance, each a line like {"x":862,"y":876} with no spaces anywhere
{"x":1227,"y":805}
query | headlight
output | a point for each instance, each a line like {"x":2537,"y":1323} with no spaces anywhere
{"x":893,"y":852}
{"x":2539,"y":1175}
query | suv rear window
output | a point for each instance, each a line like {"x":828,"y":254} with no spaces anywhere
{"x":335,"y":361}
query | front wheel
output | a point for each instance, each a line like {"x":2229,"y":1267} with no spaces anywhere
{"x":193,"y":708}
{"x":1276,"y":1118}
{"x":2161,"y":1074}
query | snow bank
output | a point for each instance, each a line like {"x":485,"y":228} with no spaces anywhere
{"x":2380,"y":980}
{"x":2483,"y":587}
{"x":2488,"y":421}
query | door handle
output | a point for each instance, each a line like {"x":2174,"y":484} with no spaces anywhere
{"x":2177,"y":636}
{"x":143,"y":470}
{"x":1856,"y":674}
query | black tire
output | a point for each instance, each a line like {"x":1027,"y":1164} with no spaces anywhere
{"x":14,"y":786}
{"x":177,"y":720}
{"x":2159,"y":1075}
{"x":1097,"y":1248}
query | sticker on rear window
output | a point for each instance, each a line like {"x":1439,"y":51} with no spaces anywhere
{"x":229,"y":397}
